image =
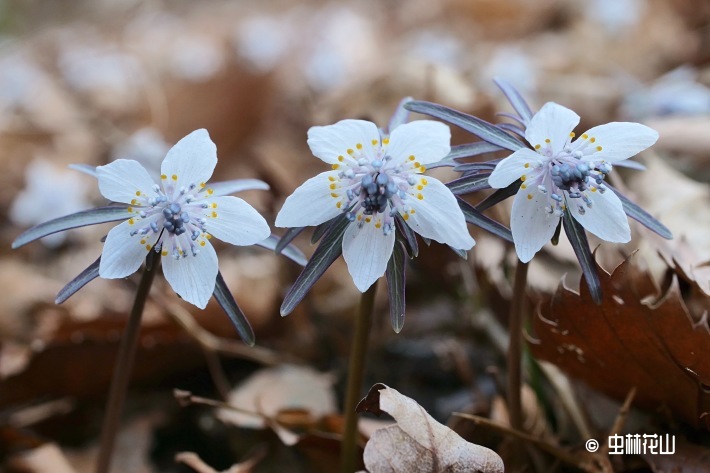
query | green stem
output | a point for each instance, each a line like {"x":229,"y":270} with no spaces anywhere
{"x":356,"y":370}
{"x":124,"y":366}
{"x":515,"y":347}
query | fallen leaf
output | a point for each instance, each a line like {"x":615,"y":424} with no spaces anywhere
{"x":43,"y":459}
{"x":687,"y":458}
{"x":635,"y":338}
{"x":418,"y":442}
{"x":195,"y":462}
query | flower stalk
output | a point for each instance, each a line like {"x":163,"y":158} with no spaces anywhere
{"x":356,"y":370}
{"x":124,"y":366}
{"x":515,"y":346}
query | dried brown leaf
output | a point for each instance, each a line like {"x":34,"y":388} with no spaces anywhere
{"x":629,"y":342}
{"x":418,"y":442}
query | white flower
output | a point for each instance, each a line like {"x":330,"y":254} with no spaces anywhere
{"x":177,"y":217}
{"x":374,"y":178}
{"x":564,"y":174}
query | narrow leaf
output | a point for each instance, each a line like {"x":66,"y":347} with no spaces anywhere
{"x":481,"y":128}
{"x":331,"y":246}
{"x":407,"y":235}
{"x":287,"y":238}
{"x":79,"y":219}
{"x":400,"y":116}
{"x":86,"y":276}
{"x":630,"y":164}
{"x":512,"y":129}
{"x":578,"y":240}
{"x":516,"y":100}
{"x":237,"y":185}
{"x":84,"y":168}
{"x":499,"y":196}
{"x":471,"y":149}
{"x":395,"y":275}
{"x":468,"y":184}
{"x":225,"y":299}
{"x":463,"y":254}
{"x":476,"y":218}
{"x":641,"y":216}
{"x":289,"y":251}
{"x":321,"y":229}
{"x":474,"y":168}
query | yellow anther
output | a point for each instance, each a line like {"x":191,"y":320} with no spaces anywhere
{"x":174,"y":177}
{"x":368,"y":219}
{"x":214,"y":205}
{"x":359,"y":217}
{"x":529,"y":196}
{"x":147,"y":247}
{"x":374,"y":142}
{"x":412,"y":158}
{"x":131,"y":221}
{"x":523,"y":177}
{"x":138,"y":193}
{"x":333,"y":194}
{"x":214,"y":214}
{"x":420,"y":187}
{"x":358,"y":146}
{"x":424,"y":181}
{"x":143,"y":241}
{"x":420,"y":196}
{"x":210,"y":191}
{"x":134,"y":201}
{"x":331,"y":179}
{"x":203,"y":242}
{"x":341,"y":158}
{"x":593,"y":189}
{"x":208,"y":236}
{"x":333,"y":186}
{"x":378,"y":224}
{"x":527,"y":165}
{"x":523,"y":186}
{"x":537,"y":146}
{"x":164,"y":253}
{"x":592,"y":139}
{"x":405,"y":216}
{"x":163,"y":176}
{"x":422,"y":168}
{"x":412,"y":211}
{"x":547,"y":140}
{"x":130,"y":209}
{"x":351,"y":151}
{"x":339,"y":204}
{"x":599,"y":148}
{"x":585,"y":136}
{"x":571,"y":134}
{"x":335,"y":166}
{"x":202,"y":185}
{"x":416,"y":165}
{"x":386,"y":141}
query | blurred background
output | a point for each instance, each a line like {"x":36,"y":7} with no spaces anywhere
{"x":92,"y":81}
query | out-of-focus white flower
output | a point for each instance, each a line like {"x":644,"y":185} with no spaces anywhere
{"x":263,"y":41}
{"x":676,"y":93}
{"x":376,"y":177}
{"x":177,"y":218}
{"x":196,"y":58}
{"x":615,"y":16}
{"x":50,"y":192}
{"x":434,"y":47}
{"x":148,"y":147}
{"x":561,"y":174}
{"x":511,"y":64}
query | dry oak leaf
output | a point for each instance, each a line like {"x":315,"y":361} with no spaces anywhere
{"x":637,"y":338}
{"x":418,"y":442}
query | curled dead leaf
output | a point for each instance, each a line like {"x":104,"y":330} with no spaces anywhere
{"x":635,"y":338}
{"x":418,"y":442}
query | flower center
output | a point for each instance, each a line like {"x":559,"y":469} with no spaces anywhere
{"x":376,"y":192}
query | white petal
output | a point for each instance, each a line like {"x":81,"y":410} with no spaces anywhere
{"x":620,"y":140}
{"x":512,"y":168}
{"x":438,"y":216}
{"x":531,"y":225}
{"x":237,"y":222}
{"x":606,"y":218}
{"x":553,"y":122}
{"x":123,"y":254}
{"x":191,"y":161}
{"x":428,"y":141}
{"x":312,"y":203}
{"x":329,"y":142}
{"x":366,"y":251}
{"x":120,"y":180}
{"x":193,"y":277}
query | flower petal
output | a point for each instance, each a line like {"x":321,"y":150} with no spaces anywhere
{"x":437,"y":215}
{"x":191,"y":161}
{"x":619,"y":140}
{"x":123,"y":179}
{"x":123,"y":254}
{"x":512,"y":168}
{"x":606,"y":218}
{"x":193,"y":277}
{"x":329,"y":142}
{"x":553,"y":122}
{"x":366,"y":250}
{"x":428,"y":141}
{"x":530,"y":223}
{"x":312,"y":203}
{"x":237,"y":222}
